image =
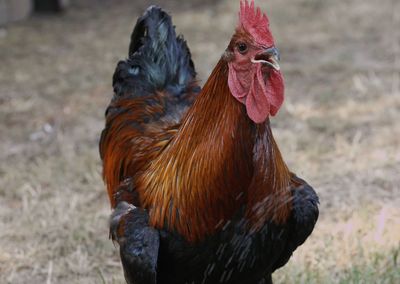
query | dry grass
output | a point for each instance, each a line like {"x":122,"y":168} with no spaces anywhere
{"x":339,"y":129}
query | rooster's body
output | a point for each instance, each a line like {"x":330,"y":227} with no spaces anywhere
{"x":200,"y":190}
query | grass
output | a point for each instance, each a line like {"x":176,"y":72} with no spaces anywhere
{"x":338,"y":129}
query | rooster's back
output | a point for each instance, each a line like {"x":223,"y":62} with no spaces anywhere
{"x":153,"y":89}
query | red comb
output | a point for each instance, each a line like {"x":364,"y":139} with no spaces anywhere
{"x":255,"y":23}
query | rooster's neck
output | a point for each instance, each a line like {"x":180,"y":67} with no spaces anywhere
{"x":208,"y":170}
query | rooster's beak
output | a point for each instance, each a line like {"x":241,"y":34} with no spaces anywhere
{"x":269,"y":56}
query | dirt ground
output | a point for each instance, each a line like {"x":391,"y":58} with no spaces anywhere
{"x":339,"y":129}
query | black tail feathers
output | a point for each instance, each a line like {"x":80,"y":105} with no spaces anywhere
{"x":158,"y":59}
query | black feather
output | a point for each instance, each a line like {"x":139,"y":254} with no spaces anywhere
{"x":139,"y":244}
{"x":158,"y":59}
{"x":232,"y":255}
{"x":303,"y":219}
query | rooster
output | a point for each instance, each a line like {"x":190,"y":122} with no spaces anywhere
{"x":199,"y":189}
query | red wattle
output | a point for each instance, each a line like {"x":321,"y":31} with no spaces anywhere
{"x":262,"y":97}
{"x":257,"y":104}
{"x":275,"y":91}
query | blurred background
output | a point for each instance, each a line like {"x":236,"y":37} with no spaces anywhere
{"x":339,"y":129}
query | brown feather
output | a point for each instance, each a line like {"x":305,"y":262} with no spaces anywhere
{"x":207,"y":170}
{"x":194,"y":177}
{"x":128,"y":142}
{"x":193,"y":185}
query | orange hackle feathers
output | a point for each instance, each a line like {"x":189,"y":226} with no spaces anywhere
{"x":194,"y":177}
{"x":195,"y":184}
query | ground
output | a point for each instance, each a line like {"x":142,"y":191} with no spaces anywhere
{"x":339,"y":129}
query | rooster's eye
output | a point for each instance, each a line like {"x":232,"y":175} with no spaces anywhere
{"x":242,"y":47}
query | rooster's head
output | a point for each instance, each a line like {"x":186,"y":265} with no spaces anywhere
{"x":255,"y":78}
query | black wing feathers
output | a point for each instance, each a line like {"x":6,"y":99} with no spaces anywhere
{"x":303,"y":219}
{"x":305,"y":212}
{"x":139,"y":243}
